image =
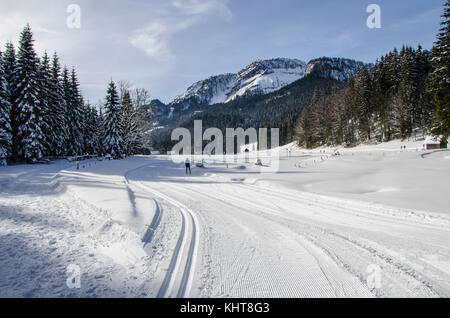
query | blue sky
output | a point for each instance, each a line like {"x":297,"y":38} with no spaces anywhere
{"x":166,"y":45}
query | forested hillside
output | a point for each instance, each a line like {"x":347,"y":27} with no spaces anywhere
{"x":405,"y":93}
{"x":380,"y":104}
{"x":278,"y":110}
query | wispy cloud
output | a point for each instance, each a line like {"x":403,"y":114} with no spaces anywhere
{"x":154,"y":38}
{"x":153,"y":41}
{"x":202,"y":7}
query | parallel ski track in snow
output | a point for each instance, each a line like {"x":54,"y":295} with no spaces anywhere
{"x":326,"y":239}
{"x":334,"y":205}
{"x":185,"y":254}
{"x":314,"y":259}
{"x":370,"y":213}
{"x":180,"y":274}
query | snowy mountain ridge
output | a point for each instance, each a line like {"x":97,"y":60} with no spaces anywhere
{"x":213,"y":90}
{"x":262,"y":77}
{"x":336,"y":68}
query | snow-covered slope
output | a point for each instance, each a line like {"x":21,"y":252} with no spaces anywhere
{"x":371,"y":221}
{"x":260,"y":77}
{"x":211,"y":91}
{"x":263,"y":77}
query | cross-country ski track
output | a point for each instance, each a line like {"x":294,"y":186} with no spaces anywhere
{"x":178,"y":279}
{"x":225,"y":231}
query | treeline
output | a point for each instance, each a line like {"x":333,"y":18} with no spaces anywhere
{"x":125,"y":127}
{"x":405,"y":92}
{"x":43,"y":113}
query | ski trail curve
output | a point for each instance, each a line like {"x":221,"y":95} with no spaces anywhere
{"x":179,"y":278}
{"x":180,"y":275}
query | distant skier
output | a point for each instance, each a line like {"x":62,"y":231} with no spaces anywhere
{"x":188,"y":166}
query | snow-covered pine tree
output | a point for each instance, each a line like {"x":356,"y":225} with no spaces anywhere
{"x":90,"y":130}
{"x":113,"y":123}
{"x":76,"y":115}
{"x":9,"y":67}
{"x":405,"y":99}
{"x":82,"y":126}
{"x":5,"y":109}
{"x":100,"y":132}
{"x":73,"y":111}
{"x":363,"y":105}
{"x":67,"y":93}
{"x":27,"y":98}
{"x":308,"y":127}
{"x":89,"y":122}
{"x":379,"y":101}
{"x":351,"y":125}
{"x":129,"y":124}
{"x":46,"y":104}
{"x":58,"y":108}
{"x":439,"y":84}
{"x":423,"y":65}
{"x":86,"y":134}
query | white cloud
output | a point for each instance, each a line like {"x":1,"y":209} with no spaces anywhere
{"x":154,"y":38}
{"x":153,"y":41}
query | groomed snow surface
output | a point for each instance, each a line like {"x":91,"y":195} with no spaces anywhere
{"x":371,"y":221}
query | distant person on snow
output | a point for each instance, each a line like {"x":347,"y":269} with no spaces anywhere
{"x":188,"y":166}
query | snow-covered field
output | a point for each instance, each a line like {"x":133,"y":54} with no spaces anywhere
{"x":372,"y":222}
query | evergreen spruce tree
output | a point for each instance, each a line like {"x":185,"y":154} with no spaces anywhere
{"x":351,"y":131}
{"x":58,"y":108}
{"x":5,"y":109}
{"x":406,"y":89}
{"x":9,"y":68}
{"x":67,"y":99}
{"x":100,"y":132}
{"x":91,"y":135}
{"x":86,"y":131}
{"x":113,"y":140}
{"x":423,"y":66}
{"x":76,"y":115}
{"x":129,"y":124}
{"x":27,"y":98}
{"x":73,"y":113}
{"x":363,"y":103}
{"x":439,"y":85}
{"x":46,"y":104}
